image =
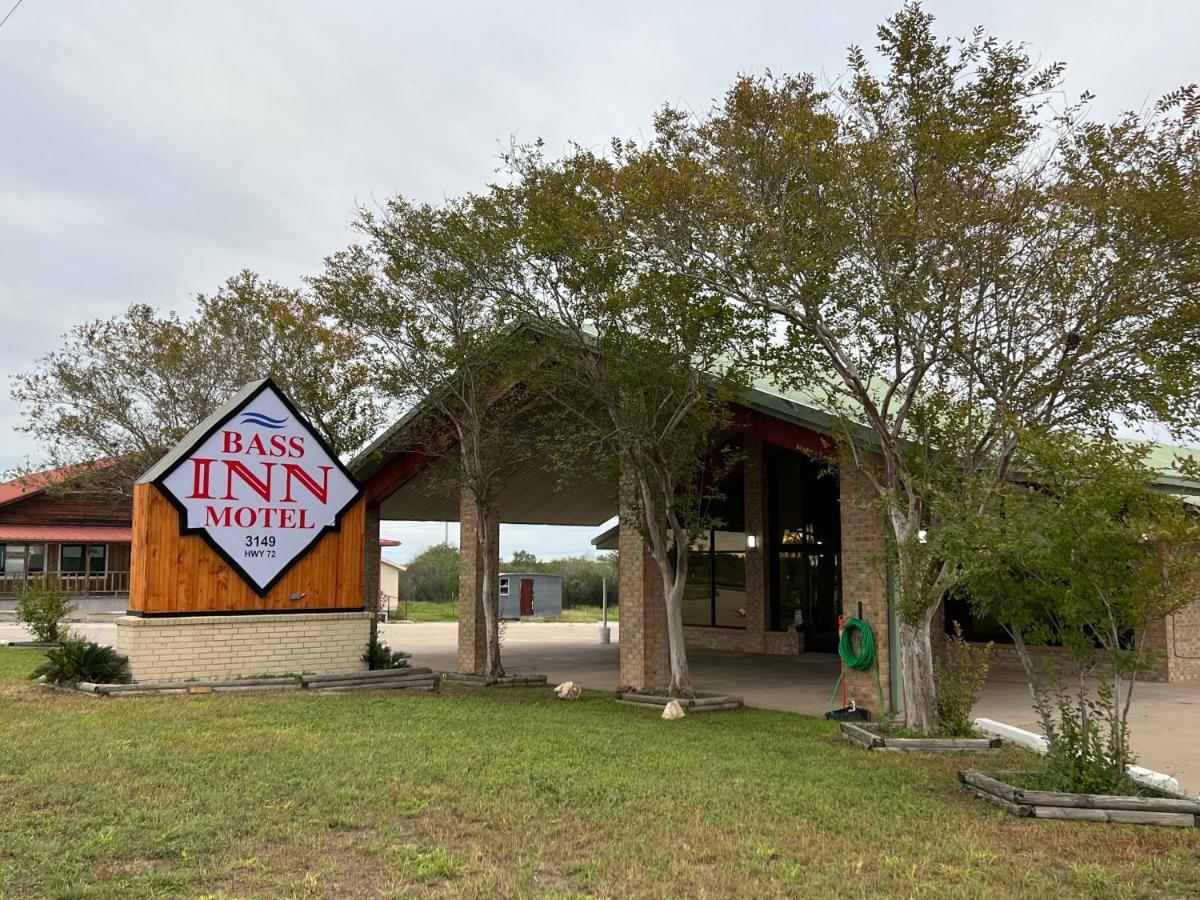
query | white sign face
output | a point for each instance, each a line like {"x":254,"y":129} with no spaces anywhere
{"x":260,"y":487}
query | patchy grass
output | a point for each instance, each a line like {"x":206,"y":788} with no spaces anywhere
{"x":581,"y":614}
{"x":429,"y":611}
{"x":510,"y":793}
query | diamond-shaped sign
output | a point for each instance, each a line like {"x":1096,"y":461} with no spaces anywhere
{"x":258,"y":483}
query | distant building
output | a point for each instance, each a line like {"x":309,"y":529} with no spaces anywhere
{"x":530,"y":594}
{"x":80,"y":541}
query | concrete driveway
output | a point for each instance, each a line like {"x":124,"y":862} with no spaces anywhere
{"x":1165,"y":719}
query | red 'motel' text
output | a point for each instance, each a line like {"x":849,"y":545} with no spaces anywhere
{"x":254,"y":478}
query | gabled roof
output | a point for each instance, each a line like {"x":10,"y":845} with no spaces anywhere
{"x":31,"y":485}
{"x":800,"y":408}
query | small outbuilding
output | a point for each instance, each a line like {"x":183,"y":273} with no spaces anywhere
{"x":525,"y":594}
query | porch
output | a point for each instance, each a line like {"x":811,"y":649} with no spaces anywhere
{"x":82,"y":560}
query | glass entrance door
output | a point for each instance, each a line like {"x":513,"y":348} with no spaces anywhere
{"x":805,"y":549}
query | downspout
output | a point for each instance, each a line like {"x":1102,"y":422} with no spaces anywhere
{"x":895,"y":677}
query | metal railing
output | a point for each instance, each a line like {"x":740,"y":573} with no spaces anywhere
{"x":392,"y":606}
{"x":96,"y":584}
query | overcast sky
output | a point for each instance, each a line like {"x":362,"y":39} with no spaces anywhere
{"x":151,"y":149}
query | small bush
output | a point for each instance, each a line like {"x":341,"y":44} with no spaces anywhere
{"x":380,"y":656}
{"x":82,"y":661}
{"x":1083,"y":756}
{"x":959,"y":675}
{"x":42,"y":606}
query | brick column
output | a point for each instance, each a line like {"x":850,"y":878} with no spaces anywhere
{"x":864,"y":561}
{"x":371,"y":556}
{"x":758,"y":614}
{"x":472,"y":630}
{"x":645,"y":661}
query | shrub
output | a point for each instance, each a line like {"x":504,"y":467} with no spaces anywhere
{"x":1084,"y":755}
{"x":42,"y":606}
{"x":380,"y":656}
{"x":82,"y":661}
{"x":959,"y":674}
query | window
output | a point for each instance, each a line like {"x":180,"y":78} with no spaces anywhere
{"x":98,"y":559}
{"x":35,"y":558}
{"x":14,"y":559}
{"x":71,"y":560}
{"x":503,"y":587}
{"x":715,"y":590}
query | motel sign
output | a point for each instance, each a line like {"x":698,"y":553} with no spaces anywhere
{"x":259,"y":485}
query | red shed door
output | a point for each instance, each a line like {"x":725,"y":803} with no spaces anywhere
{"x":527,"y":596}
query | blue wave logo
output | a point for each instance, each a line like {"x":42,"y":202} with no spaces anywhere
{"x":256,"y":418}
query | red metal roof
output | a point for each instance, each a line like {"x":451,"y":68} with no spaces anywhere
{"x":96,"y":534}
{"x":28,"y":485}
{"x":388,"y":542}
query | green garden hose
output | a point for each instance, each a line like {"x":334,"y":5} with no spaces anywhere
{"x":862,"y":659}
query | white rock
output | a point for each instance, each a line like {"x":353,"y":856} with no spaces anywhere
{"x":673,"y":710}
{"x":568,"y":690}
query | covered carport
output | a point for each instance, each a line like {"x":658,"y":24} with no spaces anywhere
{"x":800,"y":542}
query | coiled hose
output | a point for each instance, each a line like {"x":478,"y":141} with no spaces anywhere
{"x":862,"y":659}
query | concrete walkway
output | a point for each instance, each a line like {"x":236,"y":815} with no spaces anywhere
{"x":1165,"y":718}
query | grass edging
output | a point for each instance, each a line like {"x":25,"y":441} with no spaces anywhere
{"x":1171,"y":811}
{"x":869,"y":738}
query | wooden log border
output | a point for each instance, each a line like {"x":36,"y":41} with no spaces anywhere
{"x":507,"y":681}
{"x":1177,"y":812}
{"x":869,"y":739}
{"x":404,"y":678}
{"x":715,"y":703}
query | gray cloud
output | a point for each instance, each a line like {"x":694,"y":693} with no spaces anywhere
{"x":150,"y":149}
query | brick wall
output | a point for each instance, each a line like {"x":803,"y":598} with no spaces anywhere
{"x":1182,"y":643}
{"x":864,"y":559}
{"x":772,"y":643}
{"x":185,"y":647}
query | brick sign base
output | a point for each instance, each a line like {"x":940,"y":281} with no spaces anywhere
{"x":180,"y":648}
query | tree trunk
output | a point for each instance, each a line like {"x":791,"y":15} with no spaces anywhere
{"x":673,"y":585}
{"x":916,"y":666}
{"x":483,"y":517}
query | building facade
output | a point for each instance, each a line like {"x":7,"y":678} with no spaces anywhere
{"x":77,"y":541}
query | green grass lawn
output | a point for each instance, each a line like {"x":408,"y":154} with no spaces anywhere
{"x":512,"y":793}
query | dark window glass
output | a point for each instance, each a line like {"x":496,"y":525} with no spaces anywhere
{"x":805,"y":548}
{"x":36,"y":558}
{"x":71,"y":559}
{"x":98,"y":558}
{"x":697,"y":588}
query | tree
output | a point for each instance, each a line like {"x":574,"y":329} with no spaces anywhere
{"x":432,"y":575}
{"x":1085,"y":554}
{"x":950,"y":262}
{"x":425,"y":289}
{"x":646,"y":364}
{"x":127,"y":389}
{"x":523,"y":561}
